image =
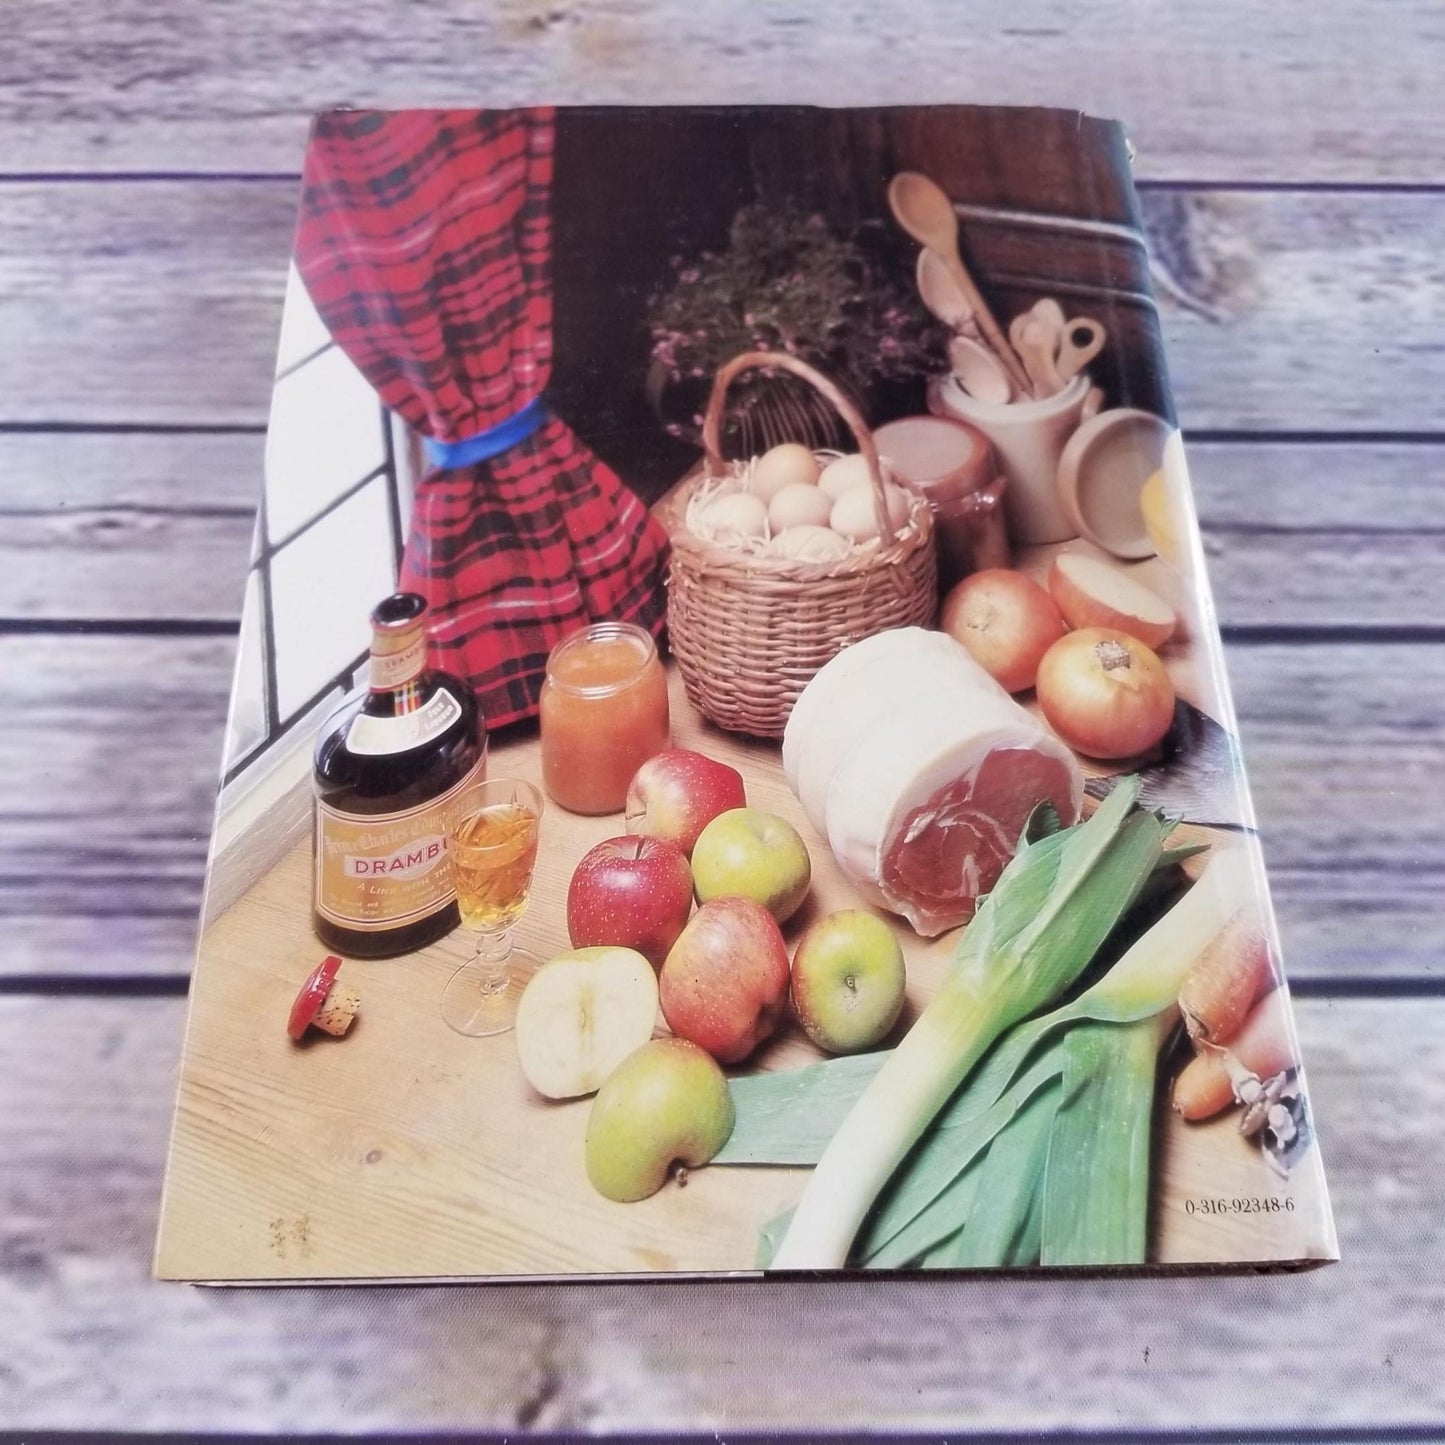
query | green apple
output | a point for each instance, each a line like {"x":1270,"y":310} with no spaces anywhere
{"x":666,"y":1103}
{"x":581,"y":1015}
{"x":848,"y":981}
{"x":746,"y":853}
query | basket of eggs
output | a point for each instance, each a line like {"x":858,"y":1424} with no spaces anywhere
{"x":782,"y":560}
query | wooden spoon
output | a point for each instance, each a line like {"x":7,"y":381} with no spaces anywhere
{"x":1082,"y":340}
{"x":1050,"y":315}
{"x":1016,"y":329}
{"x":980,"y":373}
{"x":926,"y":213}
{"x":1036,"y":346}
{"x":941,"y":294}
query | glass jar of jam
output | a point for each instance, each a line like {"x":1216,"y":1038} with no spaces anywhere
{"x":603,"y":714}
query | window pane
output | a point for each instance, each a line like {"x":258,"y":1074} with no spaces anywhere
{"x":302,"y":330}
{"x":247,"y":725}
{"x":323,"y":587}
{"x":402,"y":447}
{"x":324,"y":436}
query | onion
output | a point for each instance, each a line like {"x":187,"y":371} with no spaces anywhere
{"x":1091,"y":593}
{"x":1105,"y":693}
{"x":1006,"y":620}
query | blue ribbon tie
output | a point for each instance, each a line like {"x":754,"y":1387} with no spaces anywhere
{"x":490,"y":443}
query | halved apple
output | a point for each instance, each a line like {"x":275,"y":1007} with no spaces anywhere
{"x":1091,"y":593}
{"x":581,"y":1015}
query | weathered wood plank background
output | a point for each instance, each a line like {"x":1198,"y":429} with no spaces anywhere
{"x":1291,"y":168}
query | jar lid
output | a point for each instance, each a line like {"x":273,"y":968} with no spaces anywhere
{"x":601,"y":659}
{"x":937,"y":456}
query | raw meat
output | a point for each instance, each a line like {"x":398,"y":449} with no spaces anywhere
{"x":931,"y":771}
{"x":855,"y":691}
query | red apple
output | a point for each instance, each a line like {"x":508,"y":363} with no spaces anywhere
{"x":724,"y":985}
{"x":630,"y":893}
{"x":677,"y":793}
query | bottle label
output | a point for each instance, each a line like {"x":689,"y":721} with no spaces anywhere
{"x":384,"y":870}
{"x":378,"y":736}
{"x":391,"y":669}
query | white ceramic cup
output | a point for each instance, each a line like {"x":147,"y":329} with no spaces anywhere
{"x":1029,"y":437}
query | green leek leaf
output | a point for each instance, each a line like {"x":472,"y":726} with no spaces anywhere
{"x":1008,"y":1187}
{"x":1096,"y":1181}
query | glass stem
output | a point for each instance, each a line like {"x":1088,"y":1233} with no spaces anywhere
{"x":494,"y":948}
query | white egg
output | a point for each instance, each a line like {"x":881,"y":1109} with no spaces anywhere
{"x":853,"y":515}
{"x":810,"y":544}
{"x":844,"y":474}
{"x":788,"y":465}
{"x":799,"y":506}
{"x":735,"y":516}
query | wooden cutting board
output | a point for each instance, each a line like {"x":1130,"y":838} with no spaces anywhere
{"x":407,"y":1151}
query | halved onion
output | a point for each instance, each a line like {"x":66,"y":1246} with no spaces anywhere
{"x":1091,"y":593}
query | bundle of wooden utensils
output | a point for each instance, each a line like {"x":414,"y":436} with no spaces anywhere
{"x":1044,"y":348}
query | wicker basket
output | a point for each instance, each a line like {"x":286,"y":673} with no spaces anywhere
{"x":749,"y":631}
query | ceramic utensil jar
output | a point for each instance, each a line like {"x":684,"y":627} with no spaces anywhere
{"x":1029,"y":437}
{"x":954,"y":467}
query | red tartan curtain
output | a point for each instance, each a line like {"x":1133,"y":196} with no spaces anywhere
{"x":425,"y":242}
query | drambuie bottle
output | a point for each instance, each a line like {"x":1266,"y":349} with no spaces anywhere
{"x":387,"y":772}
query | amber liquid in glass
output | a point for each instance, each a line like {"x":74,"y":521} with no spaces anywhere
{"x":494,"y":853}
{"x":492,"y":847}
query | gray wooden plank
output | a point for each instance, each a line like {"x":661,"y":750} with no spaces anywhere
{"x":1260,"y":291}
{"x":126,"y":525}
{"x":116,"y":743}
{"x":96,"y":1344}
{"x":93,"y":1343}
{"x":1231,"y":89}
{"x":1324,"y":485}
{"x":143,"y":302}
{"x":158,"y":302}
{"x":49,"y":472}
{"x":106,"y":813}
{"x":120,"y":562}
{"x":150,"y":932}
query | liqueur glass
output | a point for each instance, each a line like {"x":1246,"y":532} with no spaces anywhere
{"x":492,"y":838}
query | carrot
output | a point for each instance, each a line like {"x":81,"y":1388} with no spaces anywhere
{"x":1264,"y":1046}
{"x":1235,"y":970}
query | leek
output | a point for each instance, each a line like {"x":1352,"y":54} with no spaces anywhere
{"x":1007,"y":1188}
{"x":1052,"y":908}
{"x":1095,"y":1191}
{"x":1043,"y":1154}
{"x":1107,"y":1042}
